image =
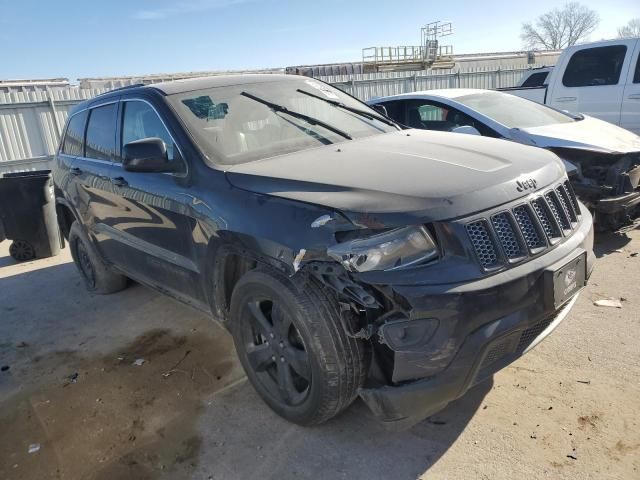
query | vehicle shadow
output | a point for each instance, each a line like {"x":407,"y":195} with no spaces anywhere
{"x":52,"y":327}
{"x":252,"y":442}
{"x":608,"y":242}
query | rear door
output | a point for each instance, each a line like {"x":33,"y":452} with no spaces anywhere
{"x":92,"y":169}
{"x":630,"y":117}
{"x":591,"y":80}
{"x":71,"y":148}
{"x":150,"y":222}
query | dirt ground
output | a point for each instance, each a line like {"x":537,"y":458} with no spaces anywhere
{"x":74,"y":392}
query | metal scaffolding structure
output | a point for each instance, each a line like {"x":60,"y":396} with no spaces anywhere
{"x":412,"y":57}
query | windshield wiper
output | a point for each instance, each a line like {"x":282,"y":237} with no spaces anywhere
{"x":301,"y":116}
{"x":357,"y":111}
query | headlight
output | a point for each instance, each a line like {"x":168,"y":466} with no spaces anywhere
{"x":386,"y":251}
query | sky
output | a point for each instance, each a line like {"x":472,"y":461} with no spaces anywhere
{"x":80,"y":38}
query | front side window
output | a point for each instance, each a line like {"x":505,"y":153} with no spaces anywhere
{"x":101,"y":132}
{"x":636,"y":75}
{"x":73,"y":143}
{"x":595,"y":67}
{"x":231,"y":126}
{"x":139,"y":121}
{"x":430,"y":115}
{"x":395,"y":110}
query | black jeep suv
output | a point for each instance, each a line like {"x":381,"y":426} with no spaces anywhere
{"x":346,"y":256}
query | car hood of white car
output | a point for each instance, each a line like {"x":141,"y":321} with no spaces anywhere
{"x":587,"y":134}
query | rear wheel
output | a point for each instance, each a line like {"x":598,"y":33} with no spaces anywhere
{"x":97,"y":277}
{"x":292,"y":345}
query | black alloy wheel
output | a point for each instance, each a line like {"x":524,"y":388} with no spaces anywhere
{"x":276,"y":352}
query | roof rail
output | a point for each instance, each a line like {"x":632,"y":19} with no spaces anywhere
{"x":123,"y":88}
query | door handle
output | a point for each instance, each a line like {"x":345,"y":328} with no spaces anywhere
{"x":75,"y":171}
{"x":634,"y":96}
{"x":565,"y":99}
{"x":119,"y":182}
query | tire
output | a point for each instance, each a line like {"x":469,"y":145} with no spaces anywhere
{"x":97,"y":277}
{"x":293,"y":347}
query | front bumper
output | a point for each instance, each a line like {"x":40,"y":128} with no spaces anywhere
{"x":482,"y":327}
{"x":617,"y":212}
{"x":483,"y":353}
{"x":621,"y":203}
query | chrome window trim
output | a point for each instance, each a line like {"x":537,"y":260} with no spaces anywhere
{"x":114,"y":163}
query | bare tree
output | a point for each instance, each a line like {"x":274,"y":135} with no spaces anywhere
{"x":630,"y":30}
{"x":560,"y":28}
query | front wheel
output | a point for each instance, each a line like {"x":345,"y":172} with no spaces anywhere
{"x":293,"y":347}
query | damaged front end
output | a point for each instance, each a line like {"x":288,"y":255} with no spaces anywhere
{"x":608,"y":183}
{"x":446,"y":304}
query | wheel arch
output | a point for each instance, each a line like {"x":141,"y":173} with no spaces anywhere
{"x":227,"y":260}
{"x":66,"y":216}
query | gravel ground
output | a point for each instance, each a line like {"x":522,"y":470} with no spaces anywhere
{"x":75,"y":393}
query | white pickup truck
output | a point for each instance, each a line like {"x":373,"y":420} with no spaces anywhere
{"x":601,"y":79}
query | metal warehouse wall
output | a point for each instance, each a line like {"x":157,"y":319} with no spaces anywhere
{"x":32,"y":119}
{"x":370,"y":85}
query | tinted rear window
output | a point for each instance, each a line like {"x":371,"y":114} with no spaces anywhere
{"x":101,"y":132}
{"x":595,"y":66}
{"x":73,"y":139}
{"x":535,"y":80}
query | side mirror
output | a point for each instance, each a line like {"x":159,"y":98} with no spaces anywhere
{"x":468,"y":129}
{"x":147,"y":155}
{"x":381,"y":109}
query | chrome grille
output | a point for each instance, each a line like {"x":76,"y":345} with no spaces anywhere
{"x":483,"y":244}
{"x":572,"y":196}
{"x":557,"y":211}
{"x":548,"y":225}
{"x":509,"y":239}
{"x":566,"y":204}
{"x":525,"y":229}
{"x":532,"y":236}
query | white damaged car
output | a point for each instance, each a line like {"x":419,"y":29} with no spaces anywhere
{"x":602,"y":159}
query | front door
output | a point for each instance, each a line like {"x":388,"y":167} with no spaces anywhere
{"x":631,"y":99}
{"x":593,"y":81}
{"x":151,"y":225}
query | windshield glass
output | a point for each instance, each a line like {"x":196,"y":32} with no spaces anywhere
{"x":231,"y":127}
{"x":512,"y":111}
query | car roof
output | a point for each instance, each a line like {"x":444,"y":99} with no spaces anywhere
{"x":451,"y":93}
{"x":187,"y":85}
{"x":199,"y":83}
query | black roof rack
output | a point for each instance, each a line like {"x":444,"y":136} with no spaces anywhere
{"x":123,"y":88}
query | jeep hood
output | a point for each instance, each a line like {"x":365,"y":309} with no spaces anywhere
{"x":588,"y":134}
{"x":425,"y":175}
